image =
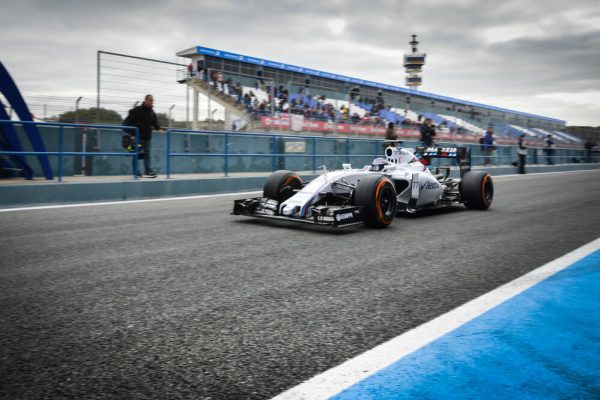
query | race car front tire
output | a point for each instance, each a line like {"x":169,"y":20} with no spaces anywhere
{"x":477,"y":190}
{"x":281,"y":184}
{"x":377,"y":196}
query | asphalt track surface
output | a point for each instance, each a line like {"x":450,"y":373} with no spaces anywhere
{"x":179,"y":299}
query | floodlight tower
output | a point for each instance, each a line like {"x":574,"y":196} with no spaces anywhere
{"x":413,"y":63}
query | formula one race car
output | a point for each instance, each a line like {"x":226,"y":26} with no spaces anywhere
{"x":400,"y":182}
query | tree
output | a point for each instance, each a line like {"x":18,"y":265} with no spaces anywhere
{"x":163,"y":120}
{"x":90,"y":116}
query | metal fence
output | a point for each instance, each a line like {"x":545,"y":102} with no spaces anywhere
{"x":60,"y":153}
{"x":186,"y":151}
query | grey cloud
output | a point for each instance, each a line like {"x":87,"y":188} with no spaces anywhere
{"x":59,"y":40}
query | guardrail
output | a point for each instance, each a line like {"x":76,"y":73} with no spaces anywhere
{"x":315,"y":149}
{"x":61,"y":153}
{"x":274,"y":145}
{"x":502,"y":155}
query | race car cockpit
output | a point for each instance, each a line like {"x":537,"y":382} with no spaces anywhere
{"x":379,"y":164}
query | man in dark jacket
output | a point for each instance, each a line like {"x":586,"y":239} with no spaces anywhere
{"x":522,"y":152}
{"x":427,"y":132}
{"x":144,"y":118}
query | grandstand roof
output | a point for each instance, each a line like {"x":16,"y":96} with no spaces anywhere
{"x":308,"y":71}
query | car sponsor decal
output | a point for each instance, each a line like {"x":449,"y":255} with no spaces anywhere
{"x":344,"y":216}
{"x":430,"y":185}
{"x":440,"y":152}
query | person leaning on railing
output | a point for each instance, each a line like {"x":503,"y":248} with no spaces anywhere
{"x":144,"y":118}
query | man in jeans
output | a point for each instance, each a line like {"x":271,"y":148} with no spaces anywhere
{"x":144,"y":118}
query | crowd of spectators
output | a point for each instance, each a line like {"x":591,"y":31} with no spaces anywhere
{"x":368,"y":111}
{"x":362,"y":110}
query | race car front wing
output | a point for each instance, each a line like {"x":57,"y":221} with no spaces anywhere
{"x":333,"y":216}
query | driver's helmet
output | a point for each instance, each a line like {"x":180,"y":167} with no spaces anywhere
{"x":378,"y":164}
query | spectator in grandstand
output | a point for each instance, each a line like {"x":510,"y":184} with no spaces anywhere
{"x":228,"y":86}
{"x":344,"y":111}
{"x":247,"y":100}
{"x":549,"y":146}
{"x":427,"y":132}
{"x":522,"y":152}
{"x":214,"y":77}
{"x":220,"y":81}
{"x":201,"y":71}
{"x":238,"y":91}
{"x":144,"y":118}
{"x":488,"y":145}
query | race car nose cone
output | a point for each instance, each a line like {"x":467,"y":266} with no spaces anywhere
{"x":287,"y":210}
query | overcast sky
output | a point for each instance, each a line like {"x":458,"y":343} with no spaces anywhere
{"x":541,"y":57}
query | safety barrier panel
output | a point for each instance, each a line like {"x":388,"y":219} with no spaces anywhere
{"x":61,"y":153}
{"x":236,"y":151}
{"x":350,"y":149}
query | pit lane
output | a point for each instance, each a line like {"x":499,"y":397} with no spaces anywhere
{"x":179,"y":299}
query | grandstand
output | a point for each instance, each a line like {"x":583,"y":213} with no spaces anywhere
{"x":269,"y":90}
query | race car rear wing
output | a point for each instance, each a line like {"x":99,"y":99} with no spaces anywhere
{"x":462,"y":155}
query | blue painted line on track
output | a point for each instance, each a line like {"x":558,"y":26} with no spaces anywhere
{"x":541,"y":344}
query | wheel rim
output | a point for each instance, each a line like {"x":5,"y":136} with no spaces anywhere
{"x":288,"y":185}
{"x":385,"y":202}
{"x":487,"y":190}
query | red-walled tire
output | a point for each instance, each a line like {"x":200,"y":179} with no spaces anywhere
{"x":377,"y":196}
{"x":281,"y":184}
{"x":477,"y":190}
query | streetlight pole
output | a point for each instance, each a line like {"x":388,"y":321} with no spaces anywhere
{"x":77,"y":109}
{"x":170,"y":109}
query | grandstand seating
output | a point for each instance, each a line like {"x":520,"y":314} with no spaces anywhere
{"x":300,"y":102}
{"x":567,"y":137}
{"x":460,"y":123}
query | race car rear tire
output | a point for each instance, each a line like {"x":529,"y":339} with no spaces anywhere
{"x":281,"y":184}
{"x":477,"y":190}
{"x":377,"y":196}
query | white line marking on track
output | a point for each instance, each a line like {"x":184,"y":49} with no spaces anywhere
{"x":333,"y":381}
{"x":110,"y":203}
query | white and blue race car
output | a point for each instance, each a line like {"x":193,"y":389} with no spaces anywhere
{"x":398,"y":182}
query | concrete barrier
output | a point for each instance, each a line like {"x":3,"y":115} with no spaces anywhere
{"x":20,"y":193}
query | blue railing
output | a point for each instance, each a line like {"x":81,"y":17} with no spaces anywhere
{"x":274,"y":154}
{"x":264,"y":152}
{"x":61,"y":142}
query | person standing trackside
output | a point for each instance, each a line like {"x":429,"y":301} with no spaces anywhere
{"x":390,"y":135}
{"x":489,"y":146}
{"x":144,"y":118}
{"x":549,"y":149}
{"x":427,"y":132}
{"x":522,"y":151}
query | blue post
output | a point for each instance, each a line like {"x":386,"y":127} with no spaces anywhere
{"x":226,"y":154}
{"x":273,"y":152}
{"x":61,"y":144}
{"x":348,"y":150}
{"x":136,"y":154}
{"x":314,"y":155}
{"x":168,"y":160}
